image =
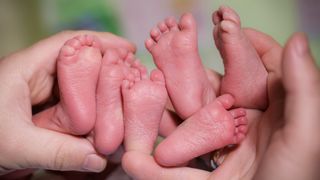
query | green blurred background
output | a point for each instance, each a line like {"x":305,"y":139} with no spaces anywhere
{"x":25,"y":22}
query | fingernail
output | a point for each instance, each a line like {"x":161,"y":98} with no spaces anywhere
{"x":94,"y":163}
{"x":301,"y":45}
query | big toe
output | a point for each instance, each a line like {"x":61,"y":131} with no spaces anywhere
{"x":187,"y":22}
{"x":229,"y":14}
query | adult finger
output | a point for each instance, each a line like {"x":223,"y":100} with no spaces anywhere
{"x":302,"y":83}
{"x":270,"y":53}
{"x":142,"y":166}
{"x":268,"y":49}
{"x":301,"y":79}
{"x":42,"y":148}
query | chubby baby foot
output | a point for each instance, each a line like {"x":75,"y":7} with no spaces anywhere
{"x":78,"y":67}
{"x":174,"y":48}
{"x":144,"y":102}
{"x":211,"y":128}
{"x":117,"y":65}
{"x":245,"y":76}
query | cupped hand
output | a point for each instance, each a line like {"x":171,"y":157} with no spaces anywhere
{"x":27,"y":79}
{"x":280,"y":142}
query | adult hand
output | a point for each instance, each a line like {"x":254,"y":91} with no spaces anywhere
{"x":27,"y":78}
{"x":279,"y":142}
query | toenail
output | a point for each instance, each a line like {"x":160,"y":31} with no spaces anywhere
{"x":68,"y":51}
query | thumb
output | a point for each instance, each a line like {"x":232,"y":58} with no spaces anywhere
{"x":301,"y":79}
{"x":42,"y":148}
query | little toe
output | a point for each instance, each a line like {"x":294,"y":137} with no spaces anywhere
{"x":187,"y":22}
{"x":155,"y":34}
{"x":171,"y":23}
{"x":216,"y":17}
{"x":149,"y":43}
{"x":237,"y":113}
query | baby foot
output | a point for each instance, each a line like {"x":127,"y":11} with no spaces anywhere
{"x":144,"y":102}
{"x":174,"y":47}
{"x":245,"y":76}
{"x":212,"y":127}
{"x":116,"y":66}
{"x":78,"y":69}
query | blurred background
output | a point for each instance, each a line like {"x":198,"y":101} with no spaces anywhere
{"x":25,"y":22}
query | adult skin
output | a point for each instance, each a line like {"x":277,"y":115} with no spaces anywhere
{"x":27,"y":79}
{"x":281,"y":141}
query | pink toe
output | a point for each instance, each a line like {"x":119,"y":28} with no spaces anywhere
{"x":171,"y":23}
{"x":142,"y":69}
{"x":149,"y":43}
{"x":157,"y":75}
{"x":243,"y":129}
{"x":136,"y":74}
{"x":129,"y":59}
{"x":187,"y":22}
{"x":229,"y":14}
{"x":67,"y":51}
{"x":216,"y":17}
{"x":243,"y":121}
{"x":123,"y":53}
{"x":75,"y":43}
{"x":155,"y":34}
{"x":226,"y":101}
{"x":89,"y":40}
{"x":82,"y":39}
{"x":163,"y":27}
{"x":239,"y":112}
